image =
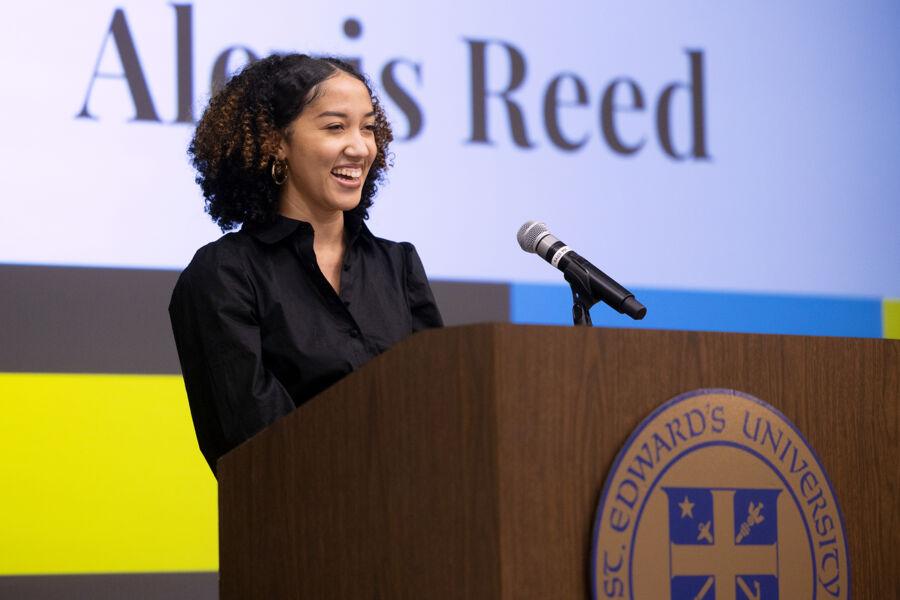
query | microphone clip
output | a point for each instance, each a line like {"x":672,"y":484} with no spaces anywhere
{"x":582,"y":298}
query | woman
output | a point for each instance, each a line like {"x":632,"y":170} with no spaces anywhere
{"x":292,"y":149}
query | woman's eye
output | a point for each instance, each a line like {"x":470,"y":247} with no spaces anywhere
{"x":370,"y":127}
{"x":335,"y":127}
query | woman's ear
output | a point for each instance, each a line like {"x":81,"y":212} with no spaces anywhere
{"x":274,"y":147}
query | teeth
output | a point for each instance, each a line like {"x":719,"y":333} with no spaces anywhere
{"x":352,"y":173}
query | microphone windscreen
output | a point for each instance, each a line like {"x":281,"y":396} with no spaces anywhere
{"x":530,"y":234}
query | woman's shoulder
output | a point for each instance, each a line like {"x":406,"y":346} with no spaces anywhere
{"x":419,"y":296}
{"x":226,"y":254}
{"x":215,"y":278}
{"x":403,"y":257}
{"x":398,"y":249}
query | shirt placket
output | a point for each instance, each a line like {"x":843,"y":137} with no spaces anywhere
{"x":337,"y":304}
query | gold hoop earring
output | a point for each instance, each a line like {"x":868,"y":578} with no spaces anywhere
{"x":279,"y":171}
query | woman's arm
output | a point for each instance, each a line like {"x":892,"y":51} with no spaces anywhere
{"x":231,"y":393}
{"x":425,"y":312}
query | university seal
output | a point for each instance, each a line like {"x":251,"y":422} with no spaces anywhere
{"x":717,"y":496}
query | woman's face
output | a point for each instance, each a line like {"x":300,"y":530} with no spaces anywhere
{"x":329,"y":150}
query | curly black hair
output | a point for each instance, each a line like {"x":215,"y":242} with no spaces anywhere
{"x":238,"y":135}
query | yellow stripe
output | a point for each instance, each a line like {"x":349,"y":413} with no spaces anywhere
{"x":101,"y":474}
{"x":890,"y":311}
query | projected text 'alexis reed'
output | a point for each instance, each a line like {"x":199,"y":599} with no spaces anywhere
{"x":565,"y":92}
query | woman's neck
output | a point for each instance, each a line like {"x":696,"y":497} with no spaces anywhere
{"x":328,"y":239}
{"x":328,"y":225}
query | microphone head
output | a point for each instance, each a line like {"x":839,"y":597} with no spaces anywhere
{"x":530,"y":234}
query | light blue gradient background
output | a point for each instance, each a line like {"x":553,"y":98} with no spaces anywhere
{"x":801,"y":195}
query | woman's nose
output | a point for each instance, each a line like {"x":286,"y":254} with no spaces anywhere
{"x":357,"y":146}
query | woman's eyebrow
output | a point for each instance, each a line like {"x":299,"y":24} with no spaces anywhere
{"x":331,"y":113}
{"x":340,"y":115}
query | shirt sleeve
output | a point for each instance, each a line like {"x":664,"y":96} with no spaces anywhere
{"x":231,"y":394}
{"x":425,"y":312}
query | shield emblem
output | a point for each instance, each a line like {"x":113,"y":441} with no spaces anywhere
{"x":723,"y":543}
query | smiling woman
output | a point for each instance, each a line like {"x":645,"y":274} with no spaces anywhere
{"x":329,"y":149}
{"x":325,"y":155}
{"x":292,"y":150}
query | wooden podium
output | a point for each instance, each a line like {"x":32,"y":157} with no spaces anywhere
{"x":467,"y":462}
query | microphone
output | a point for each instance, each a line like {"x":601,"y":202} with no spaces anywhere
{"x":534,"y":237}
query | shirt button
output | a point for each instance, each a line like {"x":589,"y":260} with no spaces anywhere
{"x":354,"y":333}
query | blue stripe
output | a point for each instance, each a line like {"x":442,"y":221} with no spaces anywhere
{"x":709,"y":311}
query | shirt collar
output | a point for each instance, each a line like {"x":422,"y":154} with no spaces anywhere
{"x":281,"y":227}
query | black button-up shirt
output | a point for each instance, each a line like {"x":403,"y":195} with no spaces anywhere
{"x":259,"y":329}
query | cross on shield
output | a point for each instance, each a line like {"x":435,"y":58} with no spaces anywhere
{"x":723,"y":543}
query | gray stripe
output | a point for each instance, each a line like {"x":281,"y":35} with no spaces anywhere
{"x":86,"y":320}
{"x":92,"y":320}
{"x":128,"y":586}
{"x":462,"y":303}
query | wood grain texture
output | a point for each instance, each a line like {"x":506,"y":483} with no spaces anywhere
{"x":468,"y":462}
{"x":382,"y":487}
